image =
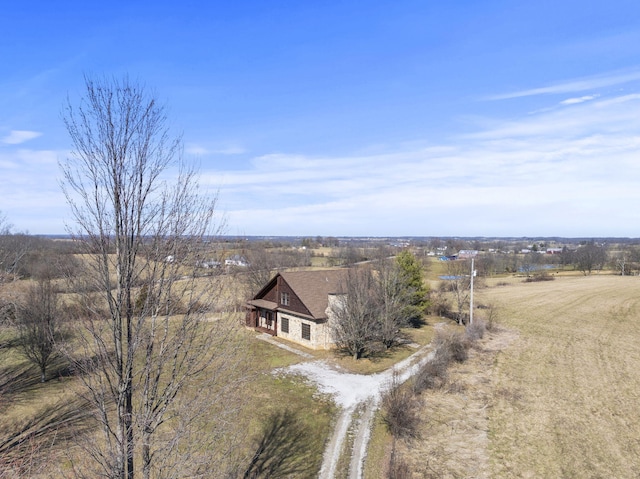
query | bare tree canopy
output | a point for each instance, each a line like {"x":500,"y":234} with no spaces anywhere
{"x":145,"y":227}
{"x":372,"y":309}
{"x":39,"y":325}
{"x":354,"y":326}
{"x":393,"y":300}
{"x":589,"y":257}
{"x":13,"y":248}
{"x":459,"y":283}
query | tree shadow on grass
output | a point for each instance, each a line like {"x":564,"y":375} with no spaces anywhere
{"x":18,"y":378}
{"x":283,"y":449}
{"x":50,"y":426}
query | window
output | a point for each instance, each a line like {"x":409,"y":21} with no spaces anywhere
{"x":284,"y":325}
{"x":284,"y":299}
{"x":306,"y":331}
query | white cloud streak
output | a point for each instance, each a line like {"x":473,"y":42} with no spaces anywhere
{"x":200,"y":150}
{"x":589,"y":83}
{"x":16,"y":137}
{"x":575,"y":101}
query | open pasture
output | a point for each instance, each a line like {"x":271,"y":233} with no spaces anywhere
{"x":565,"y":399}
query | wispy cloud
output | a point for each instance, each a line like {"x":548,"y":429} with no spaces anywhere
{"x":582,"y":99}
{"x":521,"y":177}
{"x":200,"y":150}
{"x":16,"y":137}
{"x":572,"y":86}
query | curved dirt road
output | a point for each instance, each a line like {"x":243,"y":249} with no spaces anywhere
{"x":354,"y":392}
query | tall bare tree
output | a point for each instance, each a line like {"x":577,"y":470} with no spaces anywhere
{"x":393,"y":299}
{"x":144,"y":227}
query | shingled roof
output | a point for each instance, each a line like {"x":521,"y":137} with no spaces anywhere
{"x":314,"y":287}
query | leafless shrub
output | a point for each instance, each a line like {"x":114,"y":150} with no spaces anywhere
{"x":490,"y":314}
{"x":454,"y":343}
{"x":439,"y":304}
{"x":433,"y":375}
{"x":400,"y":411}
{"x":541,"y":276}
{"x":475,"y":330}
{"x":502,"y":283}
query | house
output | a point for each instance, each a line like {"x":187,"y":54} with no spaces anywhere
{"x":236,"y":260}
{"x":294,"y":305}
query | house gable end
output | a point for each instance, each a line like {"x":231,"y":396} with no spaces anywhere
{"x":295,"y":305}
{"x":272,"y":293}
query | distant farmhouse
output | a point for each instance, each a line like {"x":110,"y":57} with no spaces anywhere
{"x":236,"y":260}
{"x":295,"y":305}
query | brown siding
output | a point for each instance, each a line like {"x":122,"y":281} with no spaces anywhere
{"x":294,"y":302}
{"x":271,"y":295}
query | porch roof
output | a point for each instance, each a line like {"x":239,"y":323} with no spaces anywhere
{"x":262,"y":303}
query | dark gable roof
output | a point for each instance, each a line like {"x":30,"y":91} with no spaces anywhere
{"x":314,"y":287}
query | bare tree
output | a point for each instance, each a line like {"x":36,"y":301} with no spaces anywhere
{"x":260,"y":269}
{"x":147,"y":339}
{"x":264,"y":262}
{"x":5,"y":226}
{"x":40,"y":326}
{"x":458,"y":282}
{"x":626,"y":260}
{"x":589,"y":257}
{"x":354,"y":326}
{"x":13,"y":248}
{"x":529,"y":262}
{"x":393,"y":300}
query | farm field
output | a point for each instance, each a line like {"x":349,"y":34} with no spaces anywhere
{"x":566,"y":391}
{"x":552,"y":393}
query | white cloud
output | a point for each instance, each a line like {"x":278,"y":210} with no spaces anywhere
{"x":200,"y":150}
{"x":574,"y":101}
{"x":560,"y":172}
{"x":15,"y":137}
{"x":588,"y":83}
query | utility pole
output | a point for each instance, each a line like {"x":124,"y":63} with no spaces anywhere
{"x":473,"y":273}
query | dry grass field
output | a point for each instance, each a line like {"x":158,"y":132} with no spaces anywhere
{"x":553,"y":393}
{"x":566,"y":402}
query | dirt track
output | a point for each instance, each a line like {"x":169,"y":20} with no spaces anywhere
{"x":353,"y":391}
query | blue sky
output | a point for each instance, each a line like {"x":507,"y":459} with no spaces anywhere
{"x":466,"y":118}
